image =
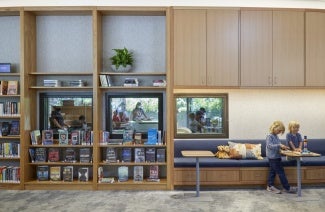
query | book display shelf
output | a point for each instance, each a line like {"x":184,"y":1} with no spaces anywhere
{"x":132,"y":155}
{"x":10,"y":98}
{"x":43,"y":60}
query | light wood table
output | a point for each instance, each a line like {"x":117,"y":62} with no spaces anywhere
{"x":298,"y":156}
{"x":197,"y":154}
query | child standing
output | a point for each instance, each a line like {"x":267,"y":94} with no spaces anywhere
{"x":273,"y":147}
{"x":294,"y":139}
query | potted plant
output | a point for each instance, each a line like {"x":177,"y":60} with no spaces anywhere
{"x":122,"y":60}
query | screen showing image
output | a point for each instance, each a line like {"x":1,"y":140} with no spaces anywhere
{"x":138,"y":112}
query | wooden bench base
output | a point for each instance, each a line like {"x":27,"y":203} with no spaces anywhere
{"x":245,"y":176}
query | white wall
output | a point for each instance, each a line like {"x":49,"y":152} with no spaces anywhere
{"x":252,"y":111}
{"x":228,"y":3}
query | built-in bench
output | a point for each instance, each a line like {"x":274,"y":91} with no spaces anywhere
{"x":216,"y":171}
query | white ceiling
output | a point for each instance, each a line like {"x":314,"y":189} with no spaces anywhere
{"x":319,"y":4}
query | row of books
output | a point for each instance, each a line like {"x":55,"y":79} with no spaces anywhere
{"x":10,"y":174}
{"x":123,"y":174}
{"x":105,"y":80}
{"x":77,"y":137}
{"x":10,"y":128}
{"x":9,"y":150}
{"x":9,"y":87}
{"x":58,"y":173}
{"x":82,"y":155}
{"x":137,"y":155}
{"x":10,"y":108}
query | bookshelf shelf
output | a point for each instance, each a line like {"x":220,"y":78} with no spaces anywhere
{"x":61,"y":73}
{"x":10,"y":137}
{"x":61,"y":88}
{"x":10,"y":158}
{"x":60,"y":164}
{"x":9,"y":96}
{"x":133,"y":88}
{"x":132,"y":164}
{"x":134,"y":73}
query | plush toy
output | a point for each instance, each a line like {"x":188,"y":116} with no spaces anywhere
{"x":223,"y":152}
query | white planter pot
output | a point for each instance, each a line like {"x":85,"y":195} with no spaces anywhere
{"x":121,"y":68}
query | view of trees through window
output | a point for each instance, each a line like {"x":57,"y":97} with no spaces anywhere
{"x":202,"y":115}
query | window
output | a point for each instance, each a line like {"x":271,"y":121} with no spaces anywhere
{"x":134,"y":111}
{"x":72,"y":106}
{"x":201,"y":116}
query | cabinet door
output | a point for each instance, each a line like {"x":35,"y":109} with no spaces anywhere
{"x":256,"y":48}
{"x":190,"y":47}
{"x":222,"y":47}
{"x":288,"y":48}
{"x":315,"y":49}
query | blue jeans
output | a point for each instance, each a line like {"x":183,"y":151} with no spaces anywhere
{"x":277,"y":168}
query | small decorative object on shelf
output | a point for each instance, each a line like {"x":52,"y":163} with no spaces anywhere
{"x":122,"y":60}
{"x":5,"y":67}
{"x":159,"y":83}
{"x":52,"y":83}
{"x":131,"y":82}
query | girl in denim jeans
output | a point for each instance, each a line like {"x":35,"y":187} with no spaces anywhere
{"x":273,"y":147}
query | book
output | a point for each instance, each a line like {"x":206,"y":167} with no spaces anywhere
{"x":63,"y":137}
{"x":35,"y":137}
{"x":103,"y":137}
{"x":127,"y":136}
{"x":15,"y":127}
{"x":55,"y":173}
{"x":153,"y":173}
{"x":138,"y":173}
{"x":83,"y":174}
{"x":31,"y":154}
{"x":161,"y":155}
{"x":67,"y":173}
{"x":40,"y":154}
{"x":84,"y":155}
{"x":42,"y":173}
{"x":126,"y":155}
{"x":75,"y":137}
{"x":139,"y":155}
{"x":5,"y":128}
{"x":12,"y":88}
{"x":123,"y":173}
{"x":138,"y":138}
{"x":70,"y":155}
{"x":103,"y":80}
{"x":152,"y":136}
{"x":111,"y":155}
{"x":53,"y":154}
{"x":47,"y":137}
{"x":3,"y":87}
{"x":100,"y":174}
{"x":151,"y":155}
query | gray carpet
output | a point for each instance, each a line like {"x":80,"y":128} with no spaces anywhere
{"x":313,"y":199}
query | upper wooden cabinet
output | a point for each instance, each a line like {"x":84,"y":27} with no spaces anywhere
{"x":272,"y":48}
{"x":190,"y":47}
{"x":206,"y":47}
{"x":315,"y":48}
{"x":288,"y":48}
{"x":256,"y":48}
{"x":222,"y":47}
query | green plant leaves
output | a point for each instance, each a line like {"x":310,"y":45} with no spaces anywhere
{"x":122,"y":57}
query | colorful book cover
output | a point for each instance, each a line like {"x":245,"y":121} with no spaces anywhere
{"x":67,"y":173}
{"x":15,"y":127}
{"x":126,"y":155}
{"x":63,"y":137}
{"x":35,"y":137}
{"x":40,"y":154}
{"x":53,"y":155}
{"x":138,"y":173}
{"x":47,"y":137}
{"x":42,"y":173}
{"x":75,"y":137}
{"x":111,"y":155}
{"x":55,"y":173}
{"x":139,"y":155}
{"x":12,"y":87}
{"x":70,"y":155}
{"x":84,"y":155}
{"x":151,"y":155}
{"x":123,"y":173}
{"x":161,"y":155}
{"x":152,"y":136}
{"x":153,"y":173}
{"x":83,"y":174}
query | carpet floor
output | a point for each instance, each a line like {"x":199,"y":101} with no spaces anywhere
{"x":250,"y":200}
